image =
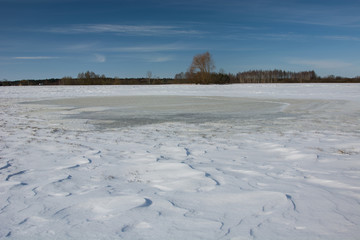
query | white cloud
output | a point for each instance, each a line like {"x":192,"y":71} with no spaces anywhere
{"x":100,"y":58}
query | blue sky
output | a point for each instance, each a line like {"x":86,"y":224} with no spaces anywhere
{"x":124,"y":38}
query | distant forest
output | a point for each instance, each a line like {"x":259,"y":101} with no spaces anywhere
{"x":254,"y":76}
{"x":201,"y":71}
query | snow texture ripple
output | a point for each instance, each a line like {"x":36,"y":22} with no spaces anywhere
{"x":180,"y":162}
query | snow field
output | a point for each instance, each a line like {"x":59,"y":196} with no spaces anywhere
{"x":290,"y":171}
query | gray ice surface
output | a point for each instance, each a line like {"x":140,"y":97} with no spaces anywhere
{"x":269,"y":114}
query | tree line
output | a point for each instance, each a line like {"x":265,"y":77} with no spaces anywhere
{"x":202,"y":66}
{"x":274,"y":76}
{"x":201,"y":71}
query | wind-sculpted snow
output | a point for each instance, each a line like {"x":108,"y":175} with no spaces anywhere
{"x":176,"y":162}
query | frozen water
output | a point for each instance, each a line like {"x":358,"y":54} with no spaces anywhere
{"x":175,"y":162}
{"x":142,"y":110}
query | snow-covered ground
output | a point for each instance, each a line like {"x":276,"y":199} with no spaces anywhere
{"x":180,"y":162}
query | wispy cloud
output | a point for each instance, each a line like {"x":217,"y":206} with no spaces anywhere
{"x":278,"y":36}
{"x":35,"y":58}
{"x":149,"y":48}
{"x":100,"y":58}
{"x":159,"y":59}
{"x":145,"y":57}
{"x":340,"y":22}
{"x":80,"y":47}
{"x":260,"y":36}
{"x":323,"y":64}
{"x":144,"y":30}
{"x":344,"y":14}
{"x":342,"y":38}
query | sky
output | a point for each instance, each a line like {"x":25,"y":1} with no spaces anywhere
{"x":127,"y":38}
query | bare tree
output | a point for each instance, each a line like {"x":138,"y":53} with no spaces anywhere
{"x":87,"y":75}
{"x":202,"y":65}
{"x":180,"y":76}
{"x":149,"y":76}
